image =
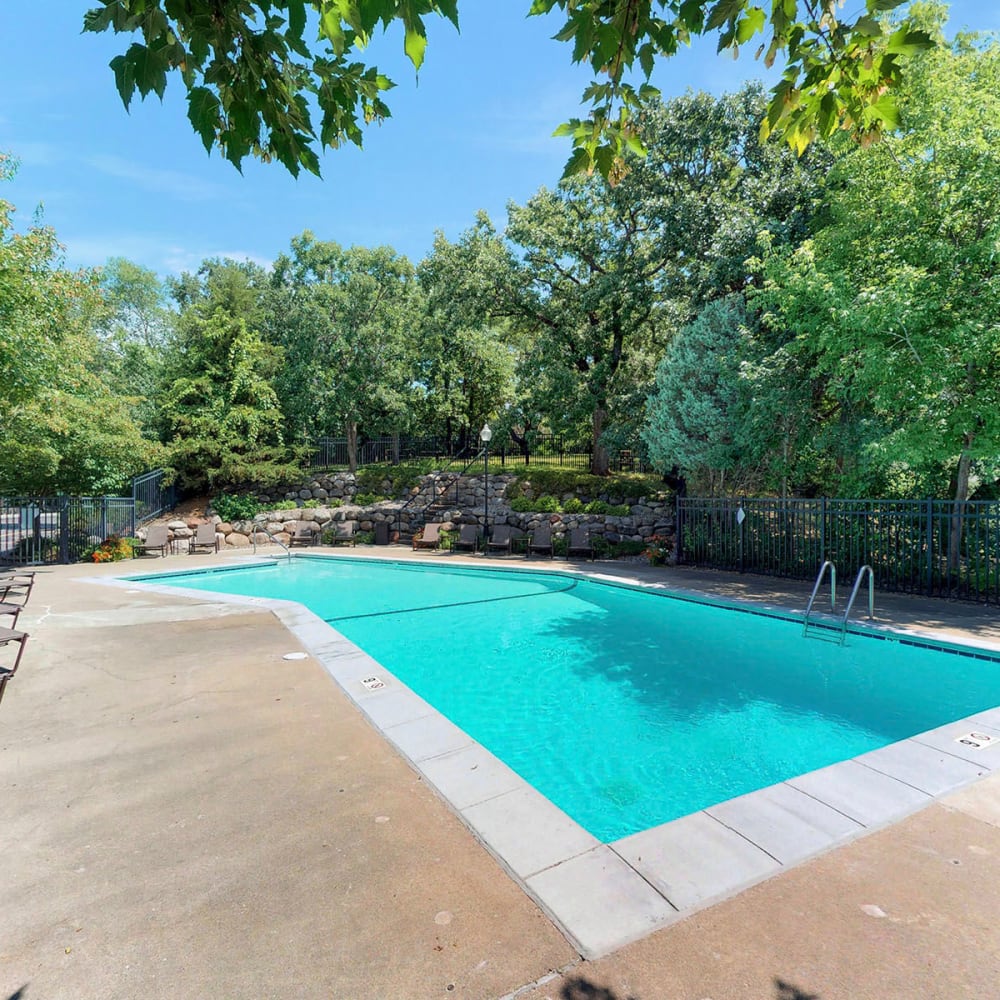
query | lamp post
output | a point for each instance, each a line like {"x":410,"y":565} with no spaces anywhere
{"x":485,"y":435}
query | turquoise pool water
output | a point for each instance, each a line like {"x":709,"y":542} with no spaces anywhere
{"x":625,"y":708}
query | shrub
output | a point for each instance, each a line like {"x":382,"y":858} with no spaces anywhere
{"x":113,"y":549}
{"x":364,"y":537}
{"x":448,"y":539}
{"x":284,"y":505}
{"x":601,"y":546}
{"x":573,"y":506}
{"x":313,"y":504}
{"x":601,"y":507}
{"x":560,"y":545}
{"x":236,"y":507}
{"x":367,"y":499}
{"x":629,"y":547}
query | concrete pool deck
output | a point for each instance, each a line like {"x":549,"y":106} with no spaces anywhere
{"x":186,"y":812}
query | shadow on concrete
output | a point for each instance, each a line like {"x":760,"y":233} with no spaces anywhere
{"x":582,"y":989}
{"x":788,"y":991}
{"x":20,"y":994}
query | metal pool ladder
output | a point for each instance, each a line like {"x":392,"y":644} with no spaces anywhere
{"x":263,"y":529}
{"x":828,"y":565}
{"x":865,"y":570}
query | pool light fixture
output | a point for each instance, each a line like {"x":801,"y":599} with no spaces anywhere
{"x":485,"y":435}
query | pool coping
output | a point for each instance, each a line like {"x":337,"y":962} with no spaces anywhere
{"x":604,"y":896}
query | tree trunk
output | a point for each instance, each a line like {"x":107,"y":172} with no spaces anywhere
{"x":352,"y":446}
{"x":599,"y":457}
{"x":958,"y":512}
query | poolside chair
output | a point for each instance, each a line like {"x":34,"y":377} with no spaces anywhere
{"x":302,"y":534}
{"x":468,"y":538}
{"x":16,"y":590}
{"x":157,"y":540}
{"x":541,"y":540}
{"x":501,"y":538}
{"x":13,"y":610}
{"x":343,"y":533}
{"x":204,"y":538}
{"x":429,"y":537}
{"x":579,"y":543}
{"x":7,"y":636}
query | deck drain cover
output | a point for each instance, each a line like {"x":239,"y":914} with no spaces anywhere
{"x":373,"y":683}
{"x":978,"y":741}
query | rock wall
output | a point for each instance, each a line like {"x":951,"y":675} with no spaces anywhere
{"x":448,"y":498}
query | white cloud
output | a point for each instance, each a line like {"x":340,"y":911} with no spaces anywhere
{"x":173,"y":183}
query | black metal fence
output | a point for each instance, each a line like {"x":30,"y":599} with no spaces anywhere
{"x":938,"y":548}
{"x":61,"y":529}
{"x":543,"y":449}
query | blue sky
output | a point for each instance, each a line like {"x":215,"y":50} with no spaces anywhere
{"x":473,"y":132}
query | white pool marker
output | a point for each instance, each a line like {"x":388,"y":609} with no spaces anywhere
{"x":373,"y":683}
{"x":978,"y":741}
{"x":295,"y":656}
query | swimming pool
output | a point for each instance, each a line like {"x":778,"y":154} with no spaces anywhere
{"x":625,"y":708}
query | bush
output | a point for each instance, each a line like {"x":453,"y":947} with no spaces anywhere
{"x":367,"y":499}
{"x":284,"y":505}
{"x":236,"y":507}
{"x":560,"y":481}
{"x":448,"y":539}
{"x":113,"y":549}
{"x":573,"y":506}
{"x":629,"y":547}
{"x":600,"y":507}
{"x":312,"y":504}
{"x":522,"y":505}
{"x":364,"y":537}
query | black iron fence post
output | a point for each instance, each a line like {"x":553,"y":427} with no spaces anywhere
{"x":64,"y":530}
{"x":929,"y":543}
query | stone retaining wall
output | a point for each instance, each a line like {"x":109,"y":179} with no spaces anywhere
{"x":643,"y":521}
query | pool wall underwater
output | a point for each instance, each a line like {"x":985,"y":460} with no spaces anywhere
{"x":604,"y":895}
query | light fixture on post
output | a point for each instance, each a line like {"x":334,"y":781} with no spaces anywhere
{"x":485,"y":435}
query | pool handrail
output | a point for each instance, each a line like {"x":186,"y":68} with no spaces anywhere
{"x":262,"y":527}
{"x":833,"y":591}
{"x":854,"y":593}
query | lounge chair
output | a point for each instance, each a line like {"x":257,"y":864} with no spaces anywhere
{"x":541,"y":540}
{"x":302,"y":534}
{"x":16,"y":590}
{"x":429,"y":537}
{"x":13,"y":610}
{"x":468,"y":538}
{"x":204,"y":538}
{"x":343,"y":533}
{"x":157,"y":540}
{"x":579,"y":543}
{"x":501,"y":539}
{"x":7,"y":636}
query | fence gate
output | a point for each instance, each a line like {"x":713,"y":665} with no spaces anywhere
{"x":60,"y":529}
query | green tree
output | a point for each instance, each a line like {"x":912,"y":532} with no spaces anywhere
{"x":218,"y":410}
{"x":597,"y":278}
{"x":251,"y":75}
{"x":133,"y":329}
{"x":64,"y":429}
{"x":352,"y":328}
{"x":898,"y":296}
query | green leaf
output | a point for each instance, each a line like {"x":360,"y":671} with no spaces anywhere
{"x":203,"y":113}
{"x":98,"y":18}
{"x":124,"y":78}
{"x":723,"y":12}
{"x":884,"y":5}
{"x":904,"y":42}
{"x":296,"y":17}
{"x":416,"y":42}
{"x":749,"y":25}
{"x":580,"y":162}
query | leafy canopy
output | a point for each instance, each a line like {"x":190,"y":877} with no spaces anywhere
{"x":254,"y":82}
